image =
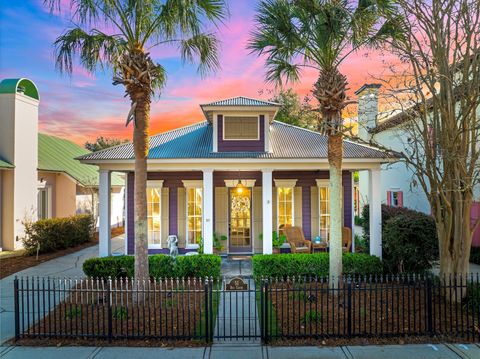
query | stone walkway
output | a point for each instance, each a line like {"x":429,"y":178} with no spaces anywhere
{"x":237,"y":310}
{"x":69,"y":266}
{"x":413,"y":351}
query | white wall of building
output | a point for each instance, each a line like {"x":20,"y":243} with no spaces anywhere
{"x":19,"y":146}
{"x":396,"y":176}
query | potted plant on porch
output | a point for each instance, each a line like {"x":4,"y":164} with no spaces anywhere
{"x":217,"y":243}
{"x":277,"y":241}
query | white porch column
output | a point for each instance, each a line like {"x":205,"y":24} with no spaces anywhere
{"x":207,"y":211}
{"x":267,"y":211}
{"x":125,"y":213}
{"x":375,"y":199}
{"x":353,"y":211}
{"x":104,"y":203}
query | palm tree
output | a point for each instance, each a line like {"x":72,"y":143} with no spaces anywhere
{"x":321,"y":34}
{"x":135,"y":27}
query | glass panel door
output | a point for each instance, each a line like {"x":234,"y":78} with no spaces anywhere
{"x":240,"y":234}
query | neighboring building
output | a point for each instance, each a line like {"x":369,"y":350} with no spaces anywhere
{"x":39,"y":177}
{"x":239,"y":174}
{"x":397,"y":180}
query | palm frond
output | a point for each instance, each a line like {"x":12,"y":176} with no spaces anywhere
{"x":201,"y":47}
{"x":94,"y":49}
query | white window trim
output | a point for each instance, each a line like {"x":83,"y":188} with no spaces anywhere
{"x":191,"y":184}
{"x":156,"y":184}
{"x":241,"y":139}
{"x":278,"y":204}
{"x":322,"y":183}
{"x":48,"y":188}
{"x":245,"y":182}
{"x":285,"y":182}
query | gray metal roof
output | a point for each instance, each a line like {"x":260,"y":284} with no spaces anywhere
{"x":241,"y":101}
{"x":195,"y":141}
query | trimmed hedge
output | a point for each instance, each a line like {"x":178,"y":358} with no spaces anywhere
{"x":314,"y":265}
{"x":409,"y":243}
{"x":54,"y":234}
{"x":161,"y":266}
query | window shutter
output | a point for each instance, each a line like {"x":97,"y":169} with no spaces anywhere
{"x":400,"y":198}
{"x":389,"y":198}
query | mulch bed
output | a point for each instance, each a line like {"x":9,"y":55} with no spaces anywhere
{"x":11,"y":265}
{"x":378,"y":313}
{"x":144,"y":316}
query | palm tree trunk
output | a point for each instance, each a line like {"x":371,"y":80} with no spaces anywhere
{"x":141,"y":146}
{"x":335,"y":155}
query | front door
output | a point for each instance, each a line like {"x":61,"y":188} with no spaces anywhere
{"x":240,"y":223}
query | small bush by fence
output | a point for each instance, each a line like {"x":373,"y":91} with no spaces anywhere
{"x":161,"y":266}
{"x":312,"y":265}
{"x":53,"y":234}
{"x":378,"y":306}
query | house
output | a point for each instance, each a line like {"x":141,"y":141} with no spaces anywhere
{"x":240,"y":174}
{"x":397,"y":180}
{"x":39,"y":177}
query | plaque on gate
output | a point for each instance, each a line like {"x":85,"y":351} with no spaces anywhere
{"x":236,"y":284}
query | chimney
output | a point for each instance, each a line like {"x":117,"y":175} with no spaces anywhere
{"x":19,"y":102}
{"x":367,"y":109}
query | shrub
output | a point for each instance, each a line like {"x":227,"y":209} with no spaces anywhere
{"x":312,"y":265}
{"x":53,"y":234}
{"x":475,"y":255}
{"x":409,"y":243}
{"x":387,"y":213}
{"x":161,"y":266}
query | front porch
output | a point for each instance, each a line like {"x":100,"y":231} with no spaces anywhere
{"x":200,"y":203}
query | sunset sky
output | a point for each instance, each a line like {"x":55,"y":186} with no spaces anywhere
{"x":84,"y":106}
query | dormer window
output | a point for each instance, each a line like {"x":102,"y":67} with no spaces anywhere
{"x":243,"y":128}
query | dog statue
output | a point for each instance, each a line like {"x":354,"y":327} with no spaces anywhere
{"x":172,"y":243}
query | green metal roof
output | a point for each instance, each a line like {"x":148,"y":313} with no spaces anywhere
{"x":58,"y":155}
{"x":13,"y":85}
{"x":5,"y":164}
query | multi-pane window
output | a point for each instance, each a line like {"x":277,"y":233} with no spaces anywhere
{"x":285,"y":206}
{"x":154,"y":216}
{"x":44,"y":203}
{"x":324,"y":211}
{"x":194,"y":215}
{"x":240,"y":128}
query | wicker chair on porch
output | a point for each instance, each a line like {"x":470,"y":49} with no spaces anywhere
{"x":346,"y":239}
{"x":297,"y":241}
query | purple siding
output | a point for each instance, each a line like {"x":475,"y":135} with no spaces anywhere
{"x":219,"y":177}
{"x":347,"y":199}
{"x":241,"y":146}
{"x":306,"y":210}
{"x":131,"y":214}
{"x":172,"y":210}
{"x":173,"y":180}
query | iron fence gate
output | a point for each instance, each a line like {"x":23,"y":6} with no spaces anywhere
{"x":236,"y":309}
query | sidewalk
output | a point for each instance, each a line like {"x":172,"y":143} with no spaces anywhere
{"x":66,"y":266}
{"x":423,"y":351}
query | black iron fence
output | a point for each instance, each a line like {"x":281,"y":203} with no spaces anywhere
{"x":267,"y":309}
{"x":112,"y":309}
{"x":373,"y":306}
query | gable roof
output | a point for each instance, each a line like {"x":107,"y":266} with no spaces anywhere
{"x":195,"y":142}
{"x":59,"y":155}
{"x":240,"y":101}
